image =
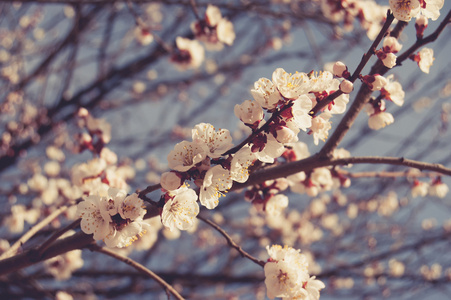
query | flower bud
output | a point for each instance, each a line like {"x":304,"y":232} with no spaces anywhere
{"x":420,"y":25}
{"x":391,"y":45}
{"x":346,"y":86}
{"x":83,"y":112}
{"x":389,"y":60}
{"x":170,"y":181}
{"x":340,"y":70}
{"x":375,"y":82}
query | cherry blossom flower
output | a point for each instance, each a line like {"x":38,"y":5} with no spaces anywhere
{"x":438,"y":188}
{"x":214,"y":143}
{"x":170,"y":181}
{"x":225,"y":32}
{"x":190,"y":54}
{"x":391,"y":45}
{"x":276,"y":204}
{"x":393,"y":91}
{"x":266,"y":93}
{"x":123,"y":232}
{"x":339,"y":104}
{"x":132,"y":207}
{"x":214,"y":31}
{"x":425,"y":58}
{"x":380,"y":120}
{"x":99,"y":127}
{"x":94,"y":216}
{"x":299,"y":113}
{"x":388,"y":59}
{"x":87,"y":171}
{"x":285,"y":135}
{"x":185,"y":156}
{"x":239,"y":166}
{"x":291,"y":86}
{"x":143,"y":36}
{"x":320,"y":81}
{"x":272,"y":149}
{"x":180,"y":210}
{"x":249,"y":112}
{"x":419,"y":188}
{"x":216,"y":181}
{"x":405,"y":10}
{"x":375,"y":82}
{"x":286,"y":275}
{"x":320,"y":127}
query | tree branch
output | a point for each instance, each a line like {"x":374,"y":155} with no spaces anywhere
{"x":231,"y":242}
{"x":139,"y":267}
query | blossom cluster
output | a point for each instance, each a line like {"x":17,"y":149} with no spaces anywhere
{"x":406,"y":10}
{"x":112,"y":216}
{"x":286,"y":275}
{"x":213,"y":31}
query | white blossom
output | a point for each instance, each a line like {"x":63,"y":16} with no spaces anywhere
{"x":291,"y":86}
{"x":439,"y":190}
{"x":389,"y":60}
{"x":181,"y":210}
{"x":170,"y":181}
{"x":265,"y":93}
{"x":419,"y":188}
{"x":249,"y":112}
{"x":225,"y":32}
{"x":185,"y":156}
{"x":239,"y":166}
{"x":213,"y":142}
{"x":216,"y":181}
{"x":300,"y":112}
{"x":276,"y":204}
{"x":94,"y":216}
{"x":191,"y":54}
{"x":380,"y":120}
{"x":320,"y":127}
{"x":404,"y":10}
{"x":393,"y":91}
{"x":426,"y":58}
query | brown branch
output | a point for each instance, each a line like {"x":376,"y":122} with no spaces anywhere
{"x":44,"y":246}
{"x":148,"y":190}
{"x":385,"y":174}
{"x":231,"y":242}
{"x":168,"y":288}
{"x":316,"y":162}
{"x":33,"y":230}
{"x":366,"y":57}
{"x":30,"y":257}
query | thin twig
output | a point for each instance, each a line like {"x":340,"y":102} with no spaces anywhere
{"x":231,"y":242}
{"x":56,"y":235}
{"x":33,"y":230}
{"x":149,"y":189}
{"x":138,"y":267}
{"x":194,"y":8}
{"x":275,"y":115}
{"x":386,"y":174}
{"x":366,"y":57}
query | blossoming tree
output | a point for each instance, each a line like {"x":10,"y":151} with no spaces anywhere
{"x":225,"y":150}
